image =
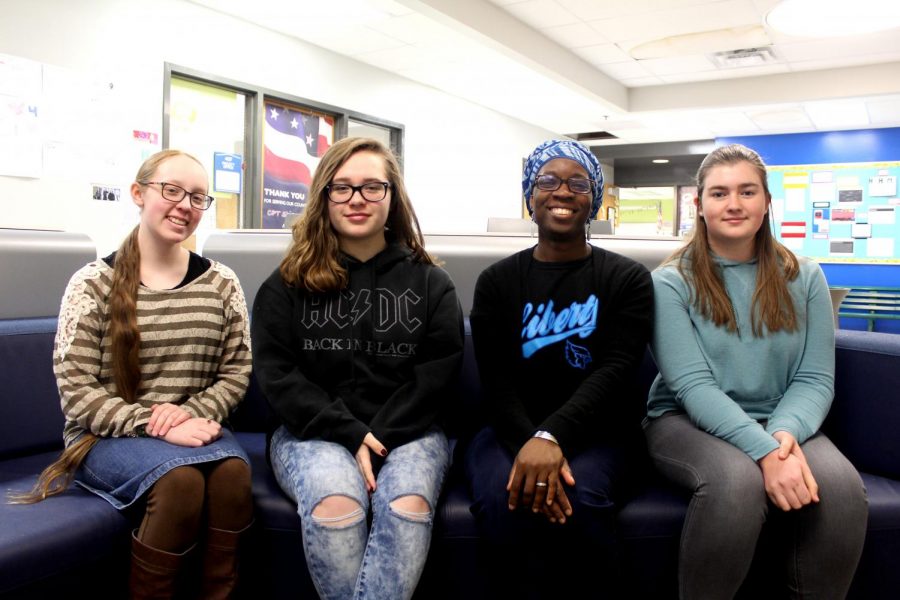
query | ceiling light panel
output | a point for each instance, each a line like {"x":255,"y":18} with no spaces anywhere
{"x":884,"y":111}
{"x":837,"y":115}
{"x":729,"y":123}
{"x":781,"y":119}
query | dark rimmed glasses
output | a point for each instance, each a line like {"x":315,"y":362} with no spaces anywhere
{"x":176,"y":193}
{"x":551,"y":183}
{"x":371,"y":191}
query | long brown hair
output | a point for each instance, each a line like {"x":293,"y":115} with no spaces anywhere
{"x":125,"y":346}
{"x":312,"y":261}
{"x":772,"y":305}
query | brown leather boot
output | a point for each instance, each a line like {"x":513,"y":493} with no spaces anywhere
{"x":220,"y":563}
{"x":153,"y":572}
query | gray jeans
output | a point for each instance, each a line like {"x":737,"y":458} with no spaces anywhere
{"x":729,"y":507}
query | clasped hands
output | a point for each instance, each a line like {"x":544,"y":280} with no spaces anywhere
{"x":788,"y":479}
{"x":175,"y":425}
{"x":539,"y":462}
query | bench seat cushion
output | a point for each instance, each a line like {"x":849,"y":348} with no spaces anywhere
{"x":73,"y":533}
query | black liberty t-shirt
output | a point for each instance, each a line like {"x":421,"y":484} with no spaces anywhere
{"x":558,"y":343}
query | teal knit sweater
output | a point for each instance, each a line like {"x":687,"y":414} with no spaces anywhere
{"x":736,"y":386}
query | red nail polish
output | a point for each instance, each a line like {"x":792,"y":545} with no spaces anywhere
{"x":384,"y":452}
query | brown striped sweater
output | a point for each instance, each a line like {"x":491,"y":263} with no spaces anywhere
{"x":195,"y":351}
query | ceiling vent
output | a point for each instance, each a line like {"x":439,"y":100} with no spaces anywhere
{"x":592,"y":136}
{"x":745,"y":57}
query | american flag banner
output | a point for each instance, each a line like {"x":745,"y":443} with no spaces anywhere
{"x":293,"y":143}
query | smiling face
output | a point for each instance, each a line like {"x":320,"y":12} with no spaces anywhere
{"x":560,"y":215}
{"x":165,"y":221}
{"x":733,"y":205}
{"x":359,"y":223}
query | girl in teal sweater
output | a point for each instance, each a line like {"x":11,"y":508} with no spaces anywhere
{"x":744,"y":341}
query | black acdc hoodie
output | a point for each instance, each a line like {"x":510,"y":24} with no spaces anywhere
{"x":381,"y":355}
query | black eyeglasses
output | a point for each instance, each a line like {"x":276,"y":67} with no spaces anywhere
{"x":176,"y":193}
{"x":551,"y":183}
{"x":372,"y":191}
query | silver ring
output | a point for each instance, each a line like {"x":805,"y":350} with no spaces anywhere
{"x":540,"y":484}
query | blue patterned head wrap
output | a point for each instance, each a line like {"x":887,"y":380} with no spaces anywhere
{"x":563,"y":149}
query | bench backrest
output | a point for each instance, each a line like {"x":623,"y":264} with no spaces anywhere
{"x":865,"y":417}
{"x":35,"y":267}
{"x":30,"y":416}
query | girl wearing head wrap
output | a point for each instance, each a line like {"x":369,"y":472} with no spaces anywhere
{"x":558,"y":329}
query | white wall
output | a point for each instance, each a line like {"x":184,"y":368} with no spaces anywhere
{"x":462,"y":161}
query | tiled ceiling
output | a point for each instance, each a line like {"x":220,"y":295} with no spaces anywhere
{"x":642,"y":70}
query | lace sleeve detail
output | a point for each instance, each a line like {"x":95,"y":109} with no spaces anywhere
{"x":237,"y":301}
{"x":76,"y":302}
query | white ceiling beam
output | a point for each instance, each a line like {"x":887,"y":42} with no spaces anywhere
{"x":802,"y":86}
{"x":501,"y":31}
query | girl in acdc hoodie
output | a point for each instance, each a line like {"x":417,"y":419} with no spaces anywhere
{"x":358,"y":341}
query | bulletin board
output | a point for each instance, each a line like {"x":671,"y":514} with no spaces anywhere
{"x":838,"y":213}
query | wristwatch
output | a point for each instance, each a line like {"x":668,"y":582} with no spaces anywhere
{"x":546,"y":435}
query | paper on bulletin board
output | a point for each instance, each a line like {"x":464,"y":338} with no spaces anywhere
{"x":85,"y":126}
{"x":20,"y":139}
{"x":880,"y":247}
{"x":861,"y":230}
{"x":841,"y":247}
{"x":795,"y":199}
{"x":821,"y":192}
{"x":882,"y":215}
{"x":882,"y":185}
{"x":793,"y":244}
{"x":796,"y":178}
{"x":20,"y":117}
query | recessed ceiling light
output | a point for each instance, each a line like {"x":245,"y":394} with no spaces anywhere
{"x":660,"y":161}
{"x":832,"y":18}
{"x":837,"y":114}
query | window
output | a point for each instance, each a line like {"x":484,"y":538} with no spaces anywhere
{"x":646,"y":211}
{"x":256,"y":163}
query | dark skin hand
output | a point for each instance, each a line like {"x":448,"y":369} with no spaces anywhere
{"x":541,"y":460}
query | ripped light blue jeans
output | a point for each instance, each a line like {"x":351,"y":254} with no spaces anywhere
{"x":350,"y":560}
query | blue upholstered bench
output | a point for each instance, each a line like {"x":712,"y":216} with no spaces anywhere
{"x":78,"y":538}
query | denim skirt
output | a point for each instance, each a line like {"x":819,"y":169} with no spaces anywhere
{"x":121,"y":469}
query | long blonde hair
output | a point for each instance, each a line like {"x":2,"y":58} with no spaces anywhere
{"x":312,"y":262}
{"x":125,"y":346}
{"x":772,"y":305}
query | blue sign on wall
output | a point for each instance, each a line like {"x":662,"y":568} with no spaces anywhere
{"x":227,"y":172}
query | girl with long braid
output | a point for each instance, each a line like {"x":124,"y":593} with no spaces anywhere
{"x":152,"y":353}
